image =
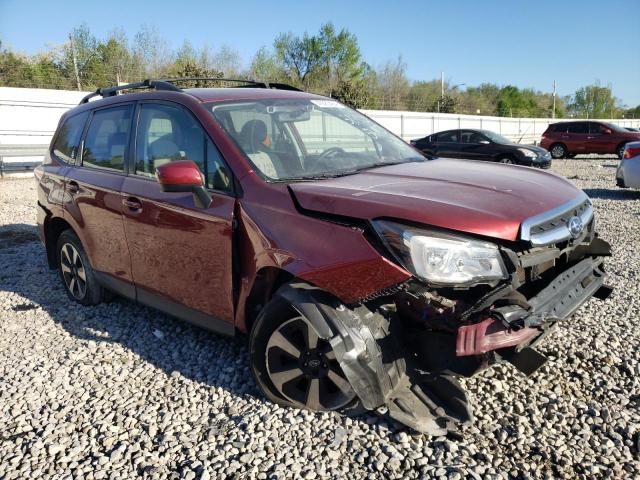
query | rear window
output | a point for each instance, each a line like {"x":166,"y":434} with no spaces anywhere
{"x":580,"y":127}
{"x":558,"y":127}
{"x":448,"y":136}
{"x":68,"y":139}
{"x":107,"y":138}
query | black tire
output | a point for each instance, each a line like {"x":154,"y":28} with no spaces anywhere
{"x":72,"y":265}
{"x":278,"y":314}
{"x":571,"y":155}
{"x":558,"y":150}
{"x":620,"y":150}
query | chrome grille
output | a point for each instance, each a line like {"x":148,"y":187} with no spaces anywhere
{"x":552,"y":226}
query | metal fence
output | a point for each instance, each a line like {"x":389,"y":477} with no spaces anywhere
{"x":16,"y":158}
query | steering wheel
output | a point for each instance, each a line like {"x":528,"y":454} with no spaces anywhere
{"x":327,"y":154}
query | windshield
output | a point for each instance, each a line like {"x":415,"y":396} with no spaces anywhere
{"x":614,"y":127}
{"x":496,"y":137}
{"x":309,"y":138}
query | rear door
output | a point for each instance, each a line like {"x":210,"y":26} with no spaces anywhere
{"x":92,"y":200}
{"x":447,"y":144}
{"x":475,"y":146}
{"x":576,"y":137}
{"x":181,"y":254}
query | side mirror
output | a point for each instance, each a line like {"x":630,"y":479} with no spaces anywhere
{"x":607,"y":131}
{"x":184,"y":176}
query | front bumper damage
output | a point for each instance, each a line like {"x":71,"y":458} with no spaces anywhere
{"x":406,"y":351}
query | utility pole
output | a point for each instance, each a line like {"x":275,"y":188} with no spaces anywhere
{"x":553,"y":112}
{"x":75,"y":63}
{"x":441,"y":102}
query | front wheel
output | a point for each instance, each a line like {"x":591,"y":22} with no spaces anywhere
{"x":77,"y":275}
{"x":506,"y":160}
{"x":293,"y":365}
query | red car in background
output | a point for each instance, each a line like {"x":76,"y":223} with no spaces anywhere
{"x":568,"y":139}
{"x":365,"y":274}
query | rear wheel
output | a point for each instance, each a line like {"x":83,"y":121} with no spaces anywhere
{"x":293,"y":365}
{"x":76,"y":272}
{"x":558,"y":150}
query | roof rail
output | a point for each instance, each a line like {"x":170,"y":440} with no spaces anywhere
{"x":148,"y":83}
{"x":249,"y":83}
{"x":168,"y":84}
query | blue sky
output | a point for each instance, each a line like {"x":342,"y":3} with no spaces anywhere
{"x":524,"y":43}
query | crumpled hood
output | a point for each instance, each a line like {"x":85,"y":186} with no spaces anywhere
{"x":468,"y":196}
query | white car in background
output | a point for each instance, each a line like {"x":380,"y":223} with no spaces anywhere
{"x":628,"y":173}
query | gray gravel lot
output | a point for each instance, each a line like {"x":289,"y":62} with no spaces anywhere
{"x":118,"y":390}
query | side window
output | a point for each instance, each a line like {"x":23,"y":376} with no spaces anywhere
{"x":450,"y":137}
{"x":68,"y":139}
{"x":579,"y":127}
{"x":560,"y":127}
{"x":167,"y":133}
{"x":107,"y":138}
{"x":596,"y":128}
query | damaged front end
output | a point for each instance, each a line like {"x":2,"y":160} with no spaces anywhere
{"x":405,"y":349}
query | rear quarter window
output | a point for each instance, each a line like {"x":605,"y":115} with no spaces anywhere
{"x":67,"y":141}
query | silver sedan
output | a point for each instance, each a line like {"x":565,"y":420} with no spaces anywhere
{"x":628,"y":173}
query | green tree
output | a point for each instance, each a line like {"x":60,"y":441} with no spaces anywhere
{"x":393,"y":86}
{"x":301,"y":57}
{"x":593,"y":101}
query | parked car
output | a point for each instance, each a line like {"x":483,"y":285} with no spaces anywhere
{"x":628,"y":172}
{"x":482,"y":145}
{"x":364,"y":274}
{"x":568,"y":139}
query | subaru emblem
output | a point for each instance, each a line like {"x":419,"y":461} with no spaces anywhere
{"x":575,"y":226}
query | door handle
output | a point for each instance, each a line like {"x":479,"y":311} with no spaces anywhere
{"x":132,"y":204}
{"x":73,"y":187}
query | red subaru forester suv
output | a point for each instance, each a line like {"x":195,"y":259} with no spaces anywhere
{"x":365,"y":274}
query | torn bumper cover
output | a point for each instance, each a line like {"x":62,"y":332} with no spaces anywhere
{"x":514,"y":325}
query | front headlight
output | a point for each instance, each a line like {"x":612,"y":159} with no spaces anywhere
{"x":528,"y":153}
{"x":441,"y":259}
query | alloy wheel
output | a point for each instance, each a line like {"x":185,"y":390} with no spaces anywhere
{"x":303,"y":367}
{"x":558,"y":151}
{"x":73,"y":272}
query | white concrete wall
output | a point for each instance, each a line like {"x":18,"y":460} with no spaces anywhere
{"x":410,"y":125}
{"x":30,"y":116}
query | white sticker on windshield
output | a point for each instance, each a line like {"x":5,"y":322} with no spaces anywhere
{"x":327,"y":104}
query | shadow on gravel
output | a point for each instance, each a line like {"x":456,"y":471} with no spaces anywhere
{"x":613,"y":193}
{"x":174,"y":346}
{"x":12,"y":235}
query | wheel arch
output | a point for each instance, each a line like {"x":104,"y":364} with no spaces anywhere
{"x":53,"y":227}
{"x":266,"y":283}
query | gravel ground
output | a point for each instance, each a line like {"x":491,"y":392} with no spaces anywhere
{"x":119,"y":390}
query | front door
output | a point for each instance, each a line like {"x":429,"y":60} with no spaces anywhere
{"x":181,"y":254}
